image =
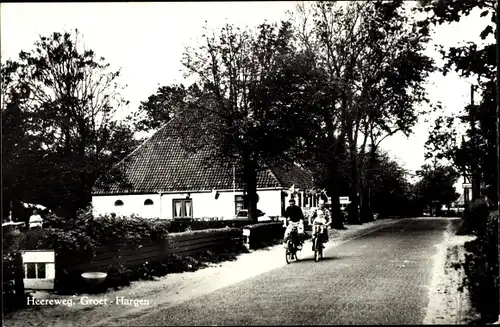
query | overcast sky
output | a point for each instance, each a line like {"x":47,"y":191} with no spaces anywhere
{"x":147,"y":40}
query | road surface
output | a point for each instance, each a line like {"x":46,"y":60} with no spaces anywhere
{"x":380,"y":278}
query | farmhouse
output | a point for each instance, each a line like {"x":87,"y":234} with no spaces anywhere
{"x":161,"y":179}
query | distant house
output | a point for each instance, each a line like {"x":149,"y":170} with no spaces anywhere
{"x":160,"y":179}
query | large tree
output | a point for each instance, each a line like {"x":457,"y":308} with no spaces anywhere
{"x":65,"y":99}
{"x":390,"y":191}
{"x":255,"y":101}
{"x":373,"y":55}
{"x":436,"y":186}
{"x":160,"y":107}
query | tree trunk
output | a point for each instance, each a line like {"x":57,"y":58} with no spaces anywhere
{"x":337,"y":217}
{"x":366,"y":208}
{"x":250,"y":174}
{"x":476,"y":185}
{"x":333,"y":180}
{"x":354,"y":189}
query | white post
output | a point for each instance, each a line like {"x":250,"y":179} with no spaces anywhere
{"x":246,"y":238}
{"x":160,"y":217}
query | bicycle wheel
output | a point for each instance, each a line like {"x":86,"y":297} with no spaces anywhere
{"x":316,"y":250}
{"x":289,"y":251}
{"x":297,"y":254}
{"x":288,"y":256}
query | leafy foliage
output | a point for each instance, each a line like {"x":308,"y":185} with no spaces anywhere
{"x":61,"y":133}
{"x":161,"y":107}
{"x":373,"y":56}
{"x":436,"y":186}
{"x":265,"y":234}
{"x":86,"y":231}
{"x":391,"y":194}
{"x":251,"y":100}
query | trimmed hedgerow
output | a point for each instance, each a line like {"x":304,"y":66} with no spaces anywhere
{"x":182,"y":225}
{"x":265,"y":234}
{"x":86,"y":231}
{"x":207,"y":231}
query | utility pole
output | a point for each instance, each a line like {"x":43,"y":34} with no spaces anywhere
{"x":476,"y":183}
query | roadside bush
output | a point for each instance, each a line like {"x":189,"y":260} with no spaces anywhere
{"x":74,"y":242}
{"x":475,"y":218}
{"x":110,"y":230}
{"x":481,"y":268}
{"x":86,"y":231}
{"x":265,"y":234}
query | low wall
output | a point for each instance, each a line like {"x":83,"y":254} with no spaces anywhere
{"x":186,"y":243}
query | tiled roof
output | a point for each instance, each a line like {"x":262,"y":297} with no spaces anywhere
{"x":162,"y":164}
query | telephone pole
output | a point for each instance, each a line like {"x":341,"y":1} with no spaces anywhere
{"x":476,"y":179}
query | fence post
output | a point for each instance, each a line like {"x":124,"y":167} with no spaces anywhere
{"x":19,"y":279}
{"x":246,"y":238}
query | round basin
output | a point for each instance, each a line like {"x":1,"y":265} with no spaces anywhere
{"x":94,"y":277}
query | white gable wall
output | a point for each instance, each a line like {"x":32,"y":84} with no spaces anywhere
{"x":204,"y":204}
{"x":132,"y":204}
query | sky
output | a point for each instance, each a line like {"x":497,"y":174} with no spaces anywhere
{"x":146,"y":40}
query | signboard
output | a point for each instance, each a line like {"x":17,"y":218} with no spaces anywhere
{"x":467,"y":185}
{"x":39,"y":269}
{"x":344,"y":200}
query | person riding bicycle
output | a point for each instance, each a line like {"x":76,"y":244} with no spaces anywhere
{"x":294,"y":218}
{"x":320,"y":216}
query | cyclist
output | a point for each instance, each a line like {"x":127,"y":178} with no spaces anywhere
{"x":294,"y":217}
{"x":318,"y":217}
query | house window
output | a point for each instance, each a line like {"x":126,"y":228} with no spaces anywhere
{"x":299,"y":198}
{"x":148,"y":202}
{"x":35,"y":270}
{"x":239,"y":203}
{"x":118,"y":203}
{"x":182,"y":208}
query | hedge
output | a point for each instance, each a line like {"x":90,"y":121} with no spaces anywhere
{"x":182,"y":225}
{"x":481,"y":260}
{"x":265,"y":234}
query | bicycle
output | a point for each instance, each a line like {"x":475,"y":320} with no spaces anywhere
{"x":318,"y":230}
{"x":292,"y":249}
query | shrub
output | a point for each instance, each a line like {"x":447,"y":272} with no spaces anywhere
{"x":69,"y":242}
{"x":265,"y":234}
{"x":481,"y":268}
{"x":85,"y":231}
{"x":475,"y":218}
{"x":131,"y":230}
